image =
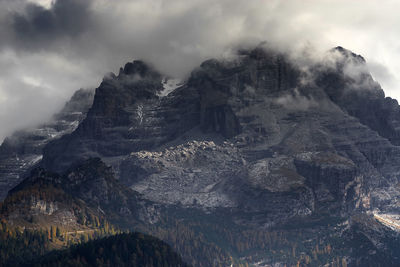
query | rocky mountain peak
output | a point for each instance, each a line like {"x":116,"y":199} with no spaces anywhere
{"x":349,"y":55}
{"x":136,"y":80}
{"x":350,"y":86}
{"x":138,"y":67}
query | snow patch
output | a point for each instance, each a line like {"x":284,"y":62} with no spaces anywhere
{"x":36,"y":159}
{"x":389,"y":220}
{"x":169,"y":85}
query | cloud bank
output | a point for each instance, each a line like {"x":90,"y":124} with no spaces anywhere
{"x":48,"y":49}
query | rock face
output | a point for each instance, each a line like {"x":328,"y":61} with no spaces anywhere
{"x":38,"y":202}
{"x":21,"y":151}
{"x":95,"y":184}
{"x":364,"y":95}
{"x":88,"y":189}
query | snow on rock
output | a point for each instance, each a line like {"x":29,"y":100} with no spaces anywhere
{"x":390,"y":220}
{"x":169,"y":86}
{"x":187,"y":174}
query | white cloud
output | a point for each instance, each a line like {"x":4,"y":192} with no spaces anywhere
{"x":43,"y":3}
{"x":35,"y":86}
{"x":176,"y":35}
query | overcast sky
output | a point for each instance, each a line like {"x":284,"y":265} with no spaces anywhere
{"x":49,"y":49}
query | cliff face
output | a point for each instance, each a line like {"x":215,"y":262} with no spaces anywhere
{"x":22,"y":150}
{"x":351,"y":87}
{"x":89,"y":189}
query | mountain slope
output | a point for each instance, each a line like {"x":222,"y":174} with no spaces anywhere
{"x":73,"y":200}
{"x":22,"y":150}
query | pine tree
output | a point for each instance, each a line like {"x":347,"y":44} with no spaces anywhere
{"x":53,"y":233}
{"x":58,"y":232}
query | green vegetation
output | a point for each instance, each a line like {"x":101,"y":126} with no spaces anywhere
{"x":132,"y":249}
{"x":17,"y":245}
{"x":207,"y":240}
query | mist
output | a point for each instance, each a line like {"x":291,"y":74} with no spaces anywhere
{"x":49,"y":49}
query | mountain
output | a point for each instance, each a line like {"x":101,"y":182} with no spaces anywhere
{"x":260,"y":159}
{"x":258,"y":125}
{"x":22,"y":150}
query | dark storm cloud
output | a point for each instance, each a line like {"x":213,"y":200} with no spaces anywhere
{"x":38,"y":27}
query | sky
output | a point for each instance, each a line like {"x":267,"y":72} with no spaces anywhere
{"x":50,"y":48}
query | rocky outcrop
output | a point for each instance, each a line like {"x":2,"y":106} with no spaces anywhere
{"x":42,"y":207}
{"x":89,"y":189}
{"x":24,"y":149}
{"x":95,"y":184}
{"x":39,"y":202}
